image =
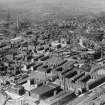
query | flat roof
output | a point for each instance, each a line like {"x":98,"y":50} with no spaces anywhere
{"x":42,"y":89}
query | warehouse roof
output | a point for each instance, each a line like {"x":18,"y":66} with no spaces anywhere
{"x":42,"y":89}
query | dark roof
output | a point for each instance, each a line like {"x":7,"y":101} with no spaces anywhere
{"x":79,"y":76}
{"x":37,"y":65}
{"x":86,"y":68}
{"x":38,"y":57}
{"x":72,"y":74}
{"x":3,"y":45}
{"x":86,"y":78}
{"x":44,"y":70}
{"x":44,"y":58}
{"x":59,"y":69}
{"x":42,"y":89}
{"x":66,"y":71}
{"x":29,"y":65}
{"x":40,"y":48}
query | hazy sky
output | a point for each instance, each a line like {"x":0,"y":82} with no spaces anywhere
{"x":67,"y":4}
{"x":59,"y":6}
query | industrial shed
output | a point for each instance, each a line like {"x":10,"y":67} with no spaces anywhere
{"x":45,"y":91}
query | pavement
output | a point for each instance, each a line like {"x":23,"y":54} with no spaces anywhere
{"x":2,"y":99}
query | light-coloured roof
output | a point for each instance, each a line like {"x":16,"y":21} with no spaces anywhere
{"x":17,"y":38}
{"x":54,"y":60}
{"x":37,"y":75}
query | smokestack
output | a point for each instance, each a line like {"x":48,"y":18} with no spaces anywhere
{"x":17,"y":23}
